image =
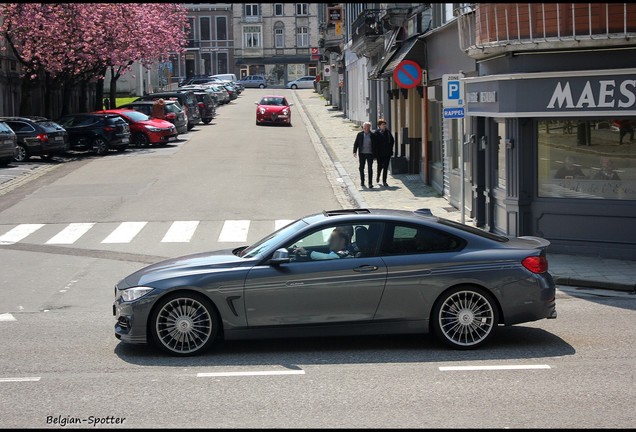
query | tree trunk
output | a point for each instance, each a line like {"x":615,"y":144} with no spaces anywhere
{"x":99,"y":94}
{"x":25,"y":96}
{"x":66,"y":98}
{"x":83,"y":97}
{"x":113,"y":87}
{"x":47,"y":96}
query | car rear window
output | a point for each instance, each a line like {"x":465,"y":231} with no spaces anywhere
{"x":474,"y":230}
{"x":173,"y":108}
{"x":49,"y":125}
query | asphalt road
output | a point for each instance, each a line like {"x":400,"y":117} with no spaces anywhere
{"x":61,"y":365}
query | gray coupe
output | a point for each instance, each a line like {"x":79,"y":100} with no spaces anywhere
{"x":342,"y":272}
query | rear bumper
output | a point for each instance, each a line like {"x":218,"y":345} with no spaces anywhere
{"x":530,"y":299}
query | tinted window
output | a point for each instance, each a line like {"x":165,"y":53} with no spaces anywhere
{"x":142,"y":108}
{"x":473,"y":230}
{"x":136,"y":116}
{"x":4,"y":128}
{"x":414,"y":239}
{"x":20,"y":126}
{"x":49,"y":125}
{"x":87,"y":121}
{"x":273,"y":101}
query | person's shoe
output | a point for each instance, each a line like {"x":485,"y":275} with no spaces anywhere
{"x":362,"y":184}
{"x":386,"y":184}
{"x":370,"y":186}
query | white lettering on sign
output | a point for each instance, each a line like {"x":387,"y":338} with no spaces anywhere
{"x":472,"y":97}
{"x":562,"y":96}
{"x":489,"y":96}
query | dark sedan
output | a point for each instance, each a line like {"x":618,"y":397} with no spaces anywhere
{"x":342,"y":272}
{"x":97,"y":132}
{"x":37,"y":136}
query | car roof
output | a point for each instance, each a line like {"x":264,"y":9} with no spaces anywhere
{"x":146,"y":102}
{"x":25,"y":118}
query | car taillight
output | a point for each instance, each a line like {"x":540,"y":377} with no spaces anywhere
{"x":109,"y":128}
{"x":43,"y":137}
{"x":171,"y":116}
{"x":201,"y":105}
{"x":536,"y":264}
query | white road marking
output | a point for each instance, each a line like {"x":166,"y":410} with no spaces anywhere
{"x":251,"y":373}
{"x":18,"y":233}
{"x":234,"y":231}
{"x":493,"y":367}
{"x":7,"y":317}
{"x":278,"y":224}
{"x":180,"y":232}
{"x":125,"y":232}
{"x":71,"y":233}
{"x":20,"y":379}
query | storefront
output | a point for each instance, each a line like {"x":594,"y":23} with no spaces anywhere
{"x":554,"y":155}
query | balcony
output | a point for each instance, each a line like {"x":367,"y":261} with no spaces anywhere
{"x":488,"y":29}
{"x":367,"y":33}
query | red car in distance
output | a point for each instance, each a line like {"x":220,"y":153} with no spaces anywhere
{"x":143,"y":129}
{"x":273,"y":109}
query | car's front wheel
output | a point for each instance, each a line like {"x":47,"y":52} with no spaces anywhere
{"x":100,"y":146}
{"x":294,"y":86}
{"x":261,"y":86}
{"x":464,"y":317}
{"x":141,"y":139}
{"x":184,"y":324}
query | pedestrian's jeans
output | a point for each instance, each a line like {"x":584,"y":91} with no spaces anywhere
{"x":368,"y":159}
{"x":383,"y":167}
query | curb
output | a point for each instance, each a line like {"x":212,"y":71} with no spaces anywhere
{"x":587,"y":283}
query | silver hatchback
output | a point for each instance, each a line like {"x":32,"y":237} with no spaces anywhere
{"x":253,"y":81}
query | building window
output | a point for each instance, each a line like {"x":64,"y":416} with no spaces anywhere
{"x":279,"y":9}
{"x":206,"y":63}
{"x":252,"y":36}
{"x":568,"y":168}
{"x":302,"y":8}
{"x":302,"y":37}
{"x":221,"y":28}
{"x":279,"y":37}
{"x":204,"y":28}
{"x":251,"y":9}
{"x":191,"y":34}
{"x":221,"y":63}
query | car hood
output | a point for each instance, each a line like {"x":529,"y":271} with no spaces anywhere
{"x":273,"y":108}
{"x":158,"y":123}
{"x":188,"y":265}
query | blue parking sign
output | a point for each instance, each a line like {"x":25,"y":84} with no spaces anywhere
{"x":453,"y":90}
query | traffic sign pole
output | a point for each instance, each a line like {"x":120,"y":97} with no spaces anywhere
{"x":453,"y":105}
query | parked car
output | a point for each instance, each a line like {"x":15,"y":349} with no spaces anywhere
{"x":273,"y":109}
{"x":228,"y":77}
{"x":302,"y":82}
{"x":198,"y":79}
{"x":206,"y":105}
{"x":238,"y":86}
{"x":186,"y":100}
{"x":231,"y":90}
{"x":253,"y":81}
{"x":37,"y":136}
{"x":145,"y":130}
{"x":97,"y":132}
{"x":221,"y":92}
{"x":8,"y":144}
{"x":340,"y":272}
{"x":203,"y":88}
{"x":174,"y":113}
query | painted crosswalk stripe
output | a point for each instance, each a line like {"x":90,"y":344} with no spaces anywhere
{"x":20,"y":379}
{"x":71,"y":233}
{"x":180,"y":232}
{"x":125,"y":232}
{"x":18,"y":233}
{"x":493,"y":367}
{"x":278,"y":224}
{"x":250,"y":373}
{"x":234,"y":231}
{"x":7,"y":317}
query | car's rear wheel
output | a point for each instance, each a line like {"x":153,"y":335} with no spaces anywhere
{"x":294,"y":86}
{"x":100,"y":146}
{"x":207,"y":120}
{"x":464,"y":317}
{"x":141,"y":139}
{"x":184,"y":324}
{"x":47,"y":157}
{"x":21,"y":153}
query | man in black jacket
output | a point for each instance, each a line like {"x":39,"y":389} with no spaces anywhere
{"x":385,"y":150}
{"x":366,"y":144}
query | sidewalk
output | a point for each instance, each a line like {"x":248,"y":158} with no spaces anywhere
{"x":333,"y":135}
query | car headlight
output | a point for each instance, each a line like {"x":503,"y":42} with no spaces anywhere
{"x":152,"y":128}
{"x":130,"y":294}
{"x":262,"y":110}
{"x":285,"y":112}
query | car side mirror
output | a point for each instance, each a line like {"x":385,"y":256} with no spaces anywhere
{"x":255,"y":103}
{"x":281,"y":256}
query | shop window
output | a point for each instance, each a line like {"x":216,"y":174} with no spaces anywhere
{"x":587,"y":158}
{"x":221,"y":62}
{"x":500,"y":179}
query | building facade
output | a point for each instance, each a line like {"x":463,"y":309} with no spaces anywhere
{"x":276,"y":40}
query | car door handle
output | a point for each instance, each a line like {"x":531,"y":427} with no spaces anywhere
{"x":365,"y":268}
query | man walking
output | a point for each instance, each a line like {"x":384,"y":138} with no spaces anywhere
{"x":385,"y":150}
{"x":366,"y":144}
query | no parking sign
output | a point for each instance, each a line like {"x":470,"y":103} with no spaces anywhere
{"x":408,"y":74}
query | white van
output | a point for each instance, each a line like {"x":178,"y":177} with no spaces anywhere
{"x":226,"y":77}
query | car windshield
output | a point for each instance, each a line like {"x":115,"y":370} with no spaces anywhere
{"x":275,"y":101}
{"x":173,"y":108}
{"x":136,"y":116}
{"x":265,"y":244}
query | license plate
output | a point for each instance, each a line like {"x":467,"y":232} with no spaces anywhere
{"x":172,"y":138}
{"x":125,"y":140}
{"x":8,"y":141}
{"x":59,"y":138}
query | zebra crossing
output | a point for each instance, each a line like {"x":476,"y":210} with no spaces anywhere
{"x":229,"y":231}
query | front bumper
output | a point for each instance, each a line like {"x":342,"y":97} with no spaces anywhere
{"x":131,"y":319}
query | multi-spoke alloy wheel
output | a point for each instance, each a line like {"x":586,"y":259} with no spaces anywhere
{"x":464,"y":318}
{"x":184,"y":324}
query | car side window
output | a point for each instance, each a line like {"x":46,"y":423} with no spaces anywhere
{"x":413,"y":239}
{"x":20,"y":127}
{"x":4,"y":128}
{"x":337,"y":241}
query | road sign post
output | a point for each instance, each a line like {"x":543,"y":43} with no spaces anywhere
{"x":453,"y":106}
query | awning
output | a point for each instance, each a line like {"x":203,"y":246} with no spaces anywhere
{"x":412,"y":49}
